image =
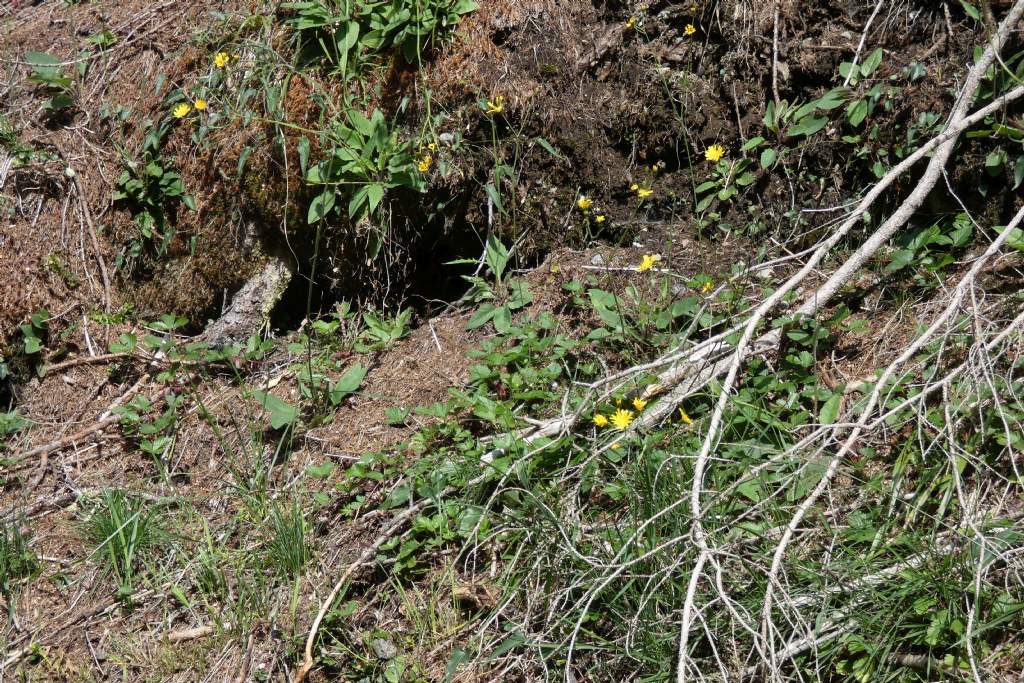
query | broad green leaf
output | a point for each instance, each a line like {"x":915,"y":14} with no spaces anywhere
{"x":768,"y":157}
{"x":350,"y":381}
{"x":281,"y":413}
{"x":807,"y":126}
{"x":321,"y":205}
{"x":830,"y":410}
{"x":871,"y":62}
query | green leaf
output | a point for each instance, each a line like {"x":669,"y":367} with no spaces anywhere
{"x":807,"y":126}
{"x":547,"y":146}
{"x":321,"y":205}
{"x":830,"y":410}
{"x":871,"y":62}
{"x":1016,"y":238}
{"x":971,"y":10}
{"x":856,"y":112}
{"x":349,"y":382}
{"x":752,"y":143}
{"x":321,"y":471}
{"x":482,"y":316}
{"x":281,"y":413}
{"x":768,"y":158}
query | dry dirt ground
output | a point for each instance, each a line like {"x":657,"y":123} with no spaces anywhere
{"x":572,"y":73}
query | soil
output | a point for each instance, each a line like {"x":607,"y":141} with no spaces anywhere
{"x":616,"y":110}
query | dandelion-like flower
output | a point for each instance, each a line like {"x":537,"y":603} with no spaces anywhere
{"x":599,"y":218}
{"x":425,"y":163}
{"x":221,"y":59}
{"x":600,"y":420}
{"x":644,"y":193}
{"x":584,"y":203}
{"x":622,"y":418}
{"x":690,"y":29}
{"x":181,"y":111}
{"x":199,"y":104}
{"x":684,"y":417}
{"x":631,"y":22}
{"x":496,"y":105}
{"x":714,"y":153}
{"x":639,"y":404}
{"x":708,"y":286}
{"x":634,"y":187}
{"x":647,"y":262}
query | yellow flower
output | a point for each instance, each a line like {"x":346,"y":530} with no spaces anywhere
{"x":631,"y":22}
{"x":599,"y":218}
{"x":432,"y":146}
{"x":496,"y":105}
{"x":690,"y":29}
{"x":622,"y":418}
{"x":714,"y":153}
{"x":648,"y":262}
{"x":199,"y":104}
{"x":616,"y":446}
{"x":639,"y":404}
{"x":684,"y":417}
{"x":584,"y":203}
{"x":644,"y":193}
{"x":655,"y":168}
{"x":708,"y":286}
{"x":425,"y":163}
{"x":600,"y":420}
{"x":634,"y":187}
{"x":181,"y":111}
{"x":221,"y":59}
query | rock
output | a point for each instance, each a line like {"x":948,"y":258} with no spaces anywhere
{"x":250,"y":309}
{"x":383,"y":648}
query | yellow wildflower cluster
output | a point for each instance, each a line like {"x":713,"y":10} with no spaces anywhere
{"x":708,"y":286}
{"x":641,"y":192}
{"x":425,"y":163}
{"x":648,"y":262}
{"x":221,"y":59}
{"x":714,"y":152}
{"x":622,"y":417}
{"x":631,"y":22}
{"x":495,"y":106}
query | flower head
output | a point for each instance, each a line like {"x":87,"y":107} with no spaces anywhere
{"x":690,"y":29}
{"x":644,"y":193}
{"x":684,"y":417}
{"x":432,"y":146}
{"x":199,"y":104}
{"x":496,"y":105}
{"x":599,"y":218}
{"x":425,"y":163}
{"x":600,"y":420}
{"x":221,"y":59}
{"x":648,"y":262}
{"x":181,"y":111}
{"x":714,"y":152}
{"x":584,"y":203}
{"x":631,"y":22}
{"x":622,"y":418}
{"x":639,"y":404}
{"x":708,"y":286}
{"x":634,"y":187}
